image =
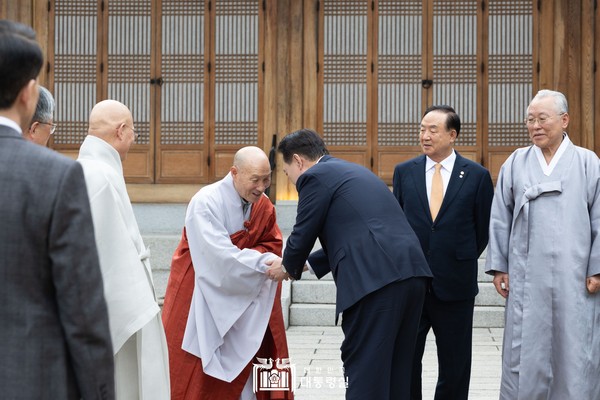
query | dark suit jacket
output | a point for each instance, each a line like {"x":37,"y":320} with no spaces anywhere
{"x":54,"y":335}
{"x":366,"y":240}
{"x":455,"y":241}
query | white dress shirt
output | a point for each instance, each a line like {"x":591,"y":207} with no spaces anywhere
{"x":446,"y":171}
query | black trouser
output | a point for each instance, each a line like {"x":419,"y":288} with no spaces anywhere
{"x":452,"y":323}
{"x":380,"y":333}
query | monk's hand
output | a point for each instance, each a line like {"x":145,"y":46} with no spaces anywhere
{"x":593,"y":284}
{"x":275,"y":272}
{"x":501,"y":283}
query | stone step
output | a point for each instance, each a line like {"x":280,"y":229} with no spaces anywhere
{"x":324,"y":292}
{"x":324,"y":315}
{"x":161,"y":226}
{"x":481,"y":275}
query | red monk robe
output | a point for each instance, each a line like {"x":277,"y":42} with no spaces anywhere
{"x":188,"y":381}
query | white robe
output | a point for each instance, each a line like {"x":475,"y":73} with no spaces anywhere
{"x":133,"y":312}
{"x":544,"y":234}
{"x":233,"y":297}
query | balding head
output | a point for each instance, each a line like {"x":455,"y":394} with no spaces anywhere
{"x":112,"y":122}
{"x":249,"y":155}
{"x":251,"y":173}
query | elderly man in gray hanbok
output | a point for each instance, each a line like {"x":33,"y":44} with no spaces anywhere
{"x":543,"y":250}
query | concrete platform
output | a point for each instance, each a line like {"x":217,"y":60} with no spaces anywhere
{"x":315,"y":354}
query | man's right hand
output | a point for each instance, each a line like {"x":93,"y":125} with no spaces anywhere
{"x":501,"y":283}
{"x":275,"y":272}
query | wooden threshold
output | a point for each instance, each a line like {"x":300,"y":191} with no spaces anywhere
{"x":161,"y":193}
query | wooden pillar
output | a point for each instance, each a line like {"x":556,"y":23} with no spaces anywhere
{"x":587,"y":117}
{"x":595,"y":104}
{"x":284,"y":94}
{"x":567,"y":48}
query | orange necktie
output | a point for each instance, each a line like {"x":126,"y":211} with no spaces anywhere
{"x":437,"y":192}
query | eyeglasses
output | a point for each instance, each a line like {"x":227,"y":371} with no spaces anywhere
{"x":53,"y":127}
{"x":541,"y":120}
{"x":135,"y":134}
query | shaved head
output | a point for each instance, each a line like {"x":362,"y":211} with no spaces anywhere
{"x":251,"y":173}
{"x":112,"y":122}
{"x":249,"y":155}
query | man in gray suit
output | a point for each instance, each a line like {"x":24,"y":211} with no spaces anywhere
{"x":54,"y":336}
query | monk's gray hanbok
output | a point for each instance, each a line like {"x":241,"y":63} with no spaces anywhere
{"x":543,"y":232}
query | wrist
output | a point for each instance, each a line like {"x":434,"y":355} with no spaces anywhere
{"x":284,"y":270}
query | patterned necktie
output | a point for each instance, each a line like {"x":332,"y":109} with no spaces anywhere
{"x":437,"y":192}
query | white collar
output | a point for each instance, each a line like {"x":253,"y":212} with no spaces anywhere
{"x":10,"y":123}
{"x":548,"y":168}
{"x":447,"y":163}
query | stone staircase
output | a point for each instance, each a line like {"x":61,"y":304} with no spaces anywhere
{"x":313,"y":302}
{"x":307,"y":302}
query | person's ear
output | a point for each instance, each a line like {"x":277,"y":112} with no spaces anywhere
{"x":30,"y":93}
{"x":233,"y":170}
{"x":121,"y":131}
{"x":453,"y":135}
{"x":33,"y":127}
{"x":30,"y":133}
{"x":28,"y":97}
{"x":565,"y":120}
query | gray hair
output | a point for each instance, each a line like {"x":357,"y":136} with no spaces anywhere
{"x":44,"y":110}
{"x":560,"y":101}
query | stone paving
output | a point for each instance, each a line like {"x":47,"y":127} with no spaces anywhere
{"x":315,"y":354}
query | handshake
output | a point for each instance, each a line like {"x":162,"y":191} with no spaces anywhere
{"x":277,"y":272}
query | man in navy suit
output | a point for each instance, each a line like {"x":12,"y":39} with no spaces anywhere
{"x":452,"y":242}
{"x":375,"y":258}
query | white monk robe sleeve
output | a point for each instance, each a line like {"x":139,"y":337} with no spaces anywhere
{"x":232,"y":299}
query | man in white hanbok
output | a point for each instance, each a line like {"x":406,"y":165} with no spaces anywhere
{"x":543,"y":251}
{"x":141,"y":358}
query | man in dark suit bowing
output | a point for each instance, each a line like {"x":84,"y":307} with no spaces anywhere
{"x":375,"y":258}
{"x":446,"y":199}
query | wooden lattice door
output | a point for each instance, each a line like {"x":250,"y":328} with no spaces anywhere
{"x":182,"y":97}
{"x":187,"y":69}
{"x":385,"y":61}
{"x":510,"y":79}
{"x":344,"y":53}
{"x":74,"y":44}
{"x":400,"y":75}
{"x":453,"y":66}
{"x":235,"y":82}
{"x":126,"y":57}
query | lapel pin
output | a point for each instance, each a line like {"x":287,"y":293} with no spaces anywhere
{"x":462,"y":173}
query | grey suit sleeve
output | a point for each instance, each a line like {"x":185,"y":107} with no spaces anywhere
{"x":79,"y":289}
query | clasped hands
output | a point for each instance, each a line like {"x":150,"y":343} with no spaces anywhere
{"x":275,"y":272}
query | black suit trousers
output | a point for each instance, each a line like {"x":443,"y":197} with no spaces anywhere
{"x":452,"y":324}
{"x":380,"y":333}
